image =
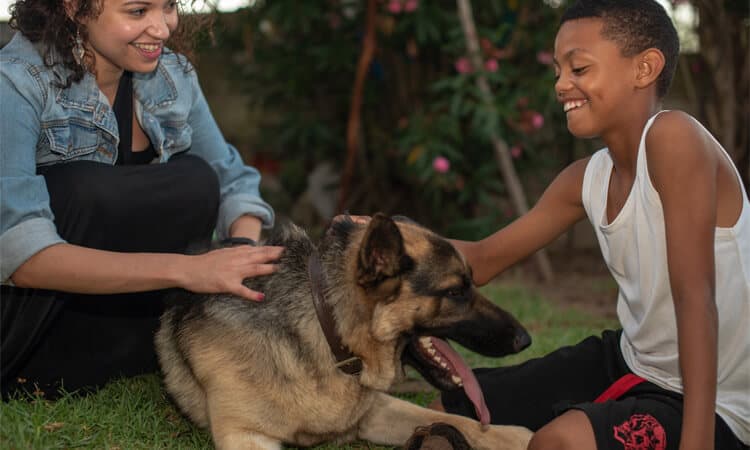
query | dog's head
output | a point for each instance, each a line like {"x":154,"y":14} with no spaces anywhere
{"x":422,"y":292}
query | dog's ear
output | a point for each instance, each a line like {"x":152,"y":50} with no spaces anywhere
{"x":381,"y":253}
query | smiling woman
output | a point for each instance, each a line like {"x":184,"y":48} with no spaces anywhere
{"x":127,"y":35}
{"x":199,"y":6}
{"x":112,"y":167}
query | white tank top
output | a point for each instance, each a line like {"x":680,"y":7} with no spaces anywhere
{"x":634,"y":248}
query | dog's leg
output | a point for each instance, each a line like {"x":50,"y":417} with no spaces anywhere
{"x":231,"y":431}
{"x":391,"y":421}
{"x":239,"y":439}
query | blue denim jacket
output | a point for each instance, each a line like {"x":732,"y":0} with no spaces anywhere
{"x":41,"y":124}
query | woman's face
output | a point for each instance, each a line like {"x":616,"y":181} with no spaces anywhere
{"x":130,"y":34}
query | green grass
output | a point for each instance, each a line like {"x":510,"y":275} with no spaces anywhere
{"x":136,"y":414}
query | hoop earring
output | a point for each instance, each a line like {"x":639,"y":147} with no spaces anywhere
{"x":78,"y":50}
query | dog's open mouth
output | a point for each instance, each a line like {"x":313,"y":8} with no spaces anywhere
{"x":443,"y":367}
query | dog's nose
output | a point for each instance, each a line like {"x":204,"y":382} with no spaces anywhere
{"x":521,"y":341}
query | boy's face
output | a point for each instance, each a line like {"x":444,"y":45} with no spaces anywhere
{"x":594,"y":80}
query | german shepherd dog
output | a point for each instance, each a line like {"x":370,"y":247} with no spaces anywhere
{"x":261,"y":374}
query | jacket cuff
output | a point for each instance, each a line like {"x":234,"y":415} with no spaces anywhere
{"x":239,"y":205}
{"x":21,"y":242}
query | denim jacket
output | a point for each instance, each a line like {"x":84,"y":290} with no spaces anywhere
{"x":41,"y":124}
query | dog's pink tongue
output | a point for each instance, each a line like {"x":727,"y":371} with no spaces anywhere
{"x":471,"y":385}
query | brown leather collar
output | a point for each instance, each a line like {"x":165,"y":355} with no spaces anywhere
{"x":345,"y":359}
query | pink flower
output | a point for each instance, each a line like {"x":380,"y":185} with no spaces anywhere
{"x":463,"y":65}
{"x":537,"y":120}
{"x":334,"y":21}
{"x":544,"y":58}
{"x":491,"y":65}
{"x":441,"y":165}
{"x":516,"y":151}
{"x":394,"y":6}
{"x":411,"y":5}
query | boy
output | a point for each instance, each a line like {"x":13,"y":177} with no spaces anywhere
{"x":673,"y":223}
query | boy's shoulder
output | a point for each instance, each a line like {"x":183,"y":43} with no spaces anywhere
{"x":674,"y":125}
{"x":678,"y":145}
{"x":677,"y":135}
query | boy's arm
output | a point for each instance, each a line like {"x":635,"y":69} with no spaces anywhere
{"x":559,"y":208}
{"x":683,"y":169}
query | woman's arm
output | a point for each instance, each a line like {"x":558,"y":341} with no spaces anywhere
{"x":683,"y":169}
{"x":239,"y":183}
{"x":246,"y":226}
{"x":559,"y":208}
{"x":26,"y":219}
{"x":71,"y":268}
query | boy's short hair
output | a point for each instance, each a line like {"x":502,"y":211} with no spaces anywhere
{"x":635,"y":25}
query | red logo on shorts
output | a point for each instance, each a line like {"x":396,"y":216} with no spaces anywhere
{"x":641,"y":432}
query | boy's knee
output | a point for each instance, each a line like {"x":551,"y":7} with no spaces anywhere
{"x":546,"y":439}
{"x":571,"y":431}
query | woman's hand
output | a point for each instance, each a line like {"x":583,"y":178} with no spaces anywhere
{"x":223,"y":270}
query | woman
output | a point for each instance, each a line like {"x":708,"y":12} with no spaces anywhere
{"x":112,"y":169}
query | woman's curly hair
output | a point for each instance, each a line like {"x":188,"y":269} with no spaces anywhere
{"x":46,"y":22}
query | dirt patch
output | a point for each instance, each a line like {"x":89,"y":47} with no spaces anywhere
{"x":582,"y":281}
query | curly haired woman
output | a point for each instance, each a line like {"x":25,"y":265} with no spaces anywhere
{"x":111,"y":168}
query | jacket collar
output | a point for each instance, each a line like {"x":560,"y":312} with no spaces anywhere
{"x":152,"y":89}
{"x":157,"y":88}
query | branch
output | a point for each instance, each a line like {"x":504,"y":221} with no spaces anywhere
{"x":502,"y":154}
{"x":355,"y":109}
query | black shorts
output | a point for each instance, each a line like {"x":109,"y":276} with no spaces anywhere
{"x":533,"y":393}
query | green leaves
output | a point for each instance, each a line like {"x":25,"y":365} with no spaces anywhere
{"x":420,"y":99}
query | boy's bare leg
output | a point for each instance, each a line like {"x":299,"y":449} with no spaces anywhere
{"x":570,"y":431}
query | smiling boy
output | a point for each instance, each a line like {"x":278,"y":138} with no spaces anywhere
{"x":673,"y":222}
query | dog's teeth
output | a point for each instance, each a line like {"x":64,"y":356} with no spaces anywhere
{"x":443,"y":365}
{"x":431,"y":351}
{"x":425,"y":341}
{"x":456,"y":379}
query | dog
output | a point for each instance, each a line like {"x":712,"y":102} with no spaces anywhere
{"x":313,"y":361}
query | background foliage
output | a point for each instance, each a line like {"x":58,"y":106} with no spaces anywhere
{"x":424,"y":148}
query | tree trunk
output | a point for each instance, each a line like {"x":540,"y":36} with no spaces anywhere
{"x":355,"y":110}
{"x":502,"y":154}
{"x":724,"y":51}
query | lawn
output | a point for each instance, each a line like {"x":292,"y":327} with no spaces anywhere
{"x":136,"y":414}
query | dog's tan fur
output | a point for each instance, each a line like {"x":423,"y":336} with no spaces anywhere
{"x":257,"y":385}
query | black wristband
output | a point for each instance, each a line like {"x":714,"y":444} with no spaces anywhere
{"x":232,"y":241}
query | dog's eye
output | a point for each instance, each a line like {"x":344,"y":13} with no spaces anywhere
{"x":456,"y":293}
